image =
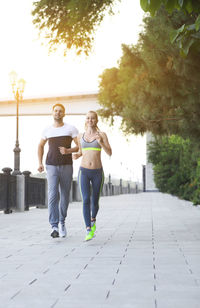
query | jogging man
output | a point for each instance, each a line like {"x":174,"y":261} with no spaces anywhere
{"x":58,"y":167}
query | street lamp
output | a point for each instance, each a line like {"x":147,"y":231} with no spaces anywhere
{"x":18,"y":90}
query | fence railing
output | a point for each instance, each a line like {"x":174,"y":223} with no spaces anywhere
{"x":20,"y":192}
{"x":35,"y":189}
{"x":7,"y":191}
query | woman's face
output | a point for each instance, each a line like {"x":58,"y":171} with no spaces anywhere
{"x":91,"y":119}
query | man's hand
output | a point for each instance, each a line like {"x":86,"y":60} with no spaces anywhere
{"x":64,"y":150}
{"x":41,"y":168}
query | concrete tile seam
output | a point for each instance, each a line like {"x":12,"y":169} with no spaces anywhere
{"x":46,"y":271}
{"x":54,"y":304}
{"x":86,"y":265}
{"x":124,"y":255}
{"x":33,"y":281}
{"x":185,"y":260}
{"x":3,"y":276}
{"x":68,"y":286}
{"x":154,"y":259}
{"x":14,"y":295}
{"x":92,"y":258}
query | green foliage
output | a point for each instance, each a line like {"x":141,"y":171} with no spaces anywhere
{"x":176,"y":166}
{"x":73,"y":22}
{"x":70,"y":22}
{"x":188,"y":34}
{"x":154,"y":89}
{"x":150,"y":5}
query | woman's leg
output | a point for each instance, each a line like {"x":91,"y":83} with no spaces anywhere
{"x":97,"y":185}
{"x":84,"y":186}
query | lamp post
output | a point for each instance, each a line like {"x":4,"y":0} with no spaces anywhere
{"x":18,"y":90}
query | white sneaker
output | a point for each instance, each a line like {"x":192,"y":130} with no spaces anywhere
{"x":62,"y":230}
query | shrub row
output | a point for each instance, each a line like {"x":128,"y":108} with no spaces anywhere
{"x":176,"y":164}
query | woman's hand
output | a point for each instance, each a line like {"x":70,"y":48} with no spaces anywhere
{"x":103,"y":141}
{"x":99,"y":138}
{"x":76,"y":156}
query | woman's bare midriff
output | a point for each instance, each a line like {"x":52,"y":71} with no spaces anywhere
{"x":91,"y":160}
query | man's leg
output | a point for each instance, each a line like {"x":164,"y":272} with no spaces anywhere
{"x":65,"y":174}
{"x":53,"y":194}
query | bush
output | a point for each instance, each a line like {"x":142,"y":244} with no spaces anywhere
{"x":176,"y":164}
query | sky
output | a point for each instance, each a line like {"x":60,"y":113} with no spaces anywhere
{"x":53,"y":75}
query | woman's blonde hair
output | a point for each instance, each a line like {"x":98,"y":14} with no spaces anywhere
{"x":96,"y":116}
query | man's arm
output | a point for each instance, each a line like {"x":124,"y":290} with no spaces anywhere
{"x":64,"y":150}
{"x":79,"y":153}
{"x":40,"y":154}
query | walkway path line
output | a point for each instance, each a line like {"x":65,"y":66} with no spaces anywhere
{"x":146,"y":254}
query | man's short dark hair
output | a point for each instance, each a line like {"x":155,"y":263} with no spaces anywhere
{"x":59,"y":105}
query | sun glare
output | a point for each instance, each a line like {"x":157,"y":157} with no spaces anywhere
{"x":53,"y":74}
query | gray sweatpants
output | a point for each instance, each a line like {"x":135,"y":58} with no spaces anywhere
{"x":59,"y":180}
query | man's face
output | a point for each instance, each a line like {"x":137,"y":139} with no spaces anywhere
{"x":58,"y":113}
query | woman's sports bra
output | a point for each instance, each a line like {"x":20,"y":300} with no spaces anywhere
{"x":93,"y":145}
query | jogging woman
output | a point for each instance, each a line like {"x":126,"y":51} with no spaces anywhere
{"x":91,"y":142}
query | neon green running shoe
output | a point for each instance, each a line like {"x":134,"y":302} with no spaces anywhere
{"x":93,"y":228}
{"x":89,"y":235}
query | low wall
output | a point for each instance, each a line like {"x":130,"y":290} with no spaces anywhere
{"x":20,"y":192}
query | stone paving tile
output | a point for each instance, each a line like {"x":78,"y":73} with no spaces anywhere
{"x":145,"y":255}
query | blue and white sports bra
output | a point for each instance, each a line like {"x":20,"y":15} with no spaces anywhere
{"x":93,"y":145}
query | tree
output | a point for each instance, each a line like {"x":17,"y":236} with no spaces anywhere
{"x":154,"y":88}
{"x":73,"y":22}
{"x":70,"y":22}
{"x":188,"y":34}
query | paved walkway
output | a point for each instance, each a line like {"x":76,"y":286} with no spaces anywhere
{"x":146,"y":254}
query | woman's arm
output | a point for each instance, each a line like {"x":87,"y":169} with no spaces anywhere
{"x":104,"y":143}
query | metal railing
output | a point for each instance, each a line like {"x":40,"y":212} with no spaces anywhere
{"x":20,"y":192}
{"x":34,"y":190}
{"x":7,"y":191}
{"x":15,"y":189}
